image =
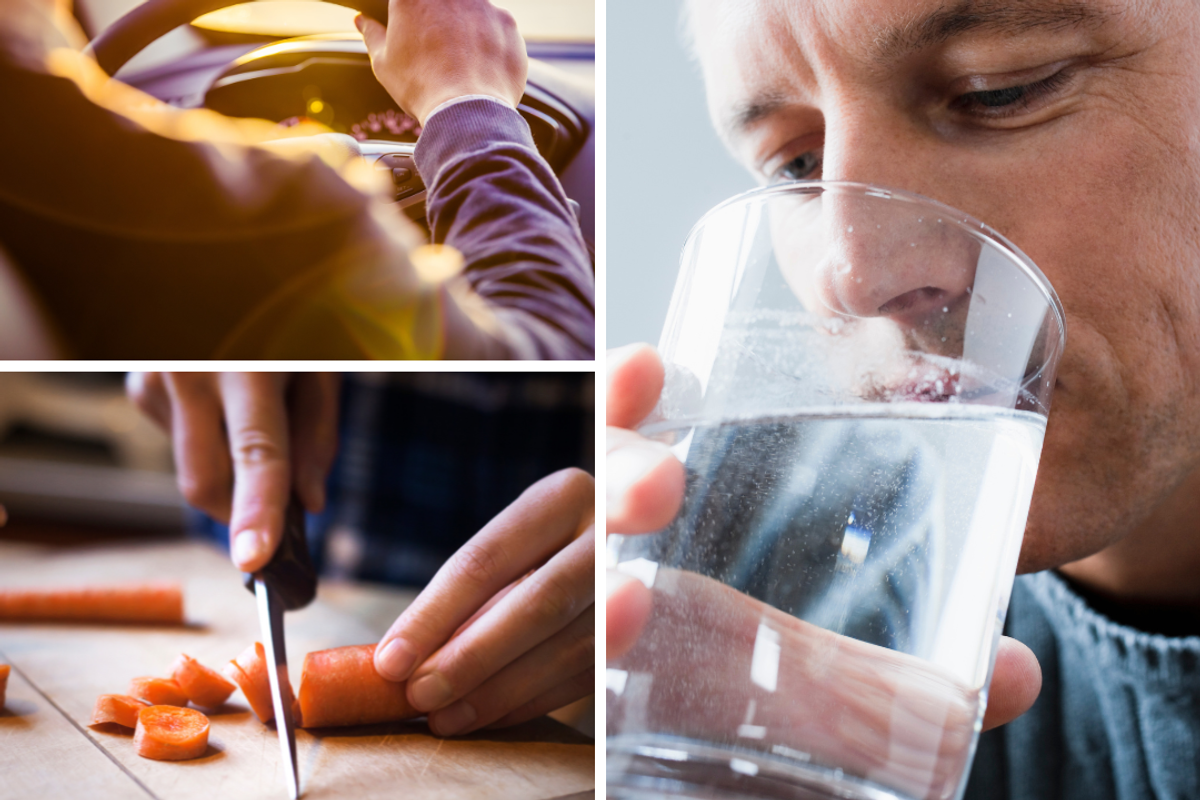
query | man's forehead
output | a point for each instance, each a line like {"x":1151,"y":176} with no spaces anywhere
{"x":755,"y":52}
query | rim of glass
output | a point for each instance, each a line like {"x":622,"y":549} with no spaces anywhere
{"x":970,"y":225}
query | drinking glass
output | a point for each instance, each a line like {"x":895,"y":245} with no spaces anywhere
{"x":857,"y":384}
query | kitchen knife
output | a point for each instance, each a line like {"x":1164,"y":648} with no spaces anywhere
{"x":287,"y":582}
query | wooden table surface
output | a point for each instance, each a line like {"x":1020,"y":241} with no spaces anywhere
{"x":47,"y":750}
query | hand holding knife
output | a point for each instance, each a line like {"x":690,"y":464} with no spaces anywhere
{"x":286,"y":583}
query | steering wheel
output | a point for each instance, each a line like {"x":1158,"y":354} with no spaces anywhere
{"x":133,"y":32}
{"x":563,"y":131}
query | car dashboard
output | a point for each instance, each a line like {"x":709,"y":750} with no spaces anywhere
{"x":328,"y":79}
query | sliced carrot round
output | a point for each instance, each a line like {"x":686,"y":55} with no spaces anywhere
{"x":120,"y":709}
{"x":158,"y":691}
{"x":249,"y":672}
{"x":203,"y":686}
{"x":4,"y":670}
{"x":170,"y":733}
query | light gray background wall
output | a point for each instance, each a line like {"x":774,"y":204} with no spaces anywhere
{"x":666,"y":166}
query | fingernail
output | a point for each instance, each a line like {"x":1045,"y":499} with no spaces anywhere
{"x":358,"y":22}
{"x":246,"y":547}
{"x":627,"y":465}
{"x":450,"y":721}
{"x":430,"y":692}
{"x":614,"y":581}
{"x":396,"y":660}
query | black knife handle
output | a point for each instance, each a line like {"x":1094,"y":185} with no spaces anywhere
{"x":290,"y":572}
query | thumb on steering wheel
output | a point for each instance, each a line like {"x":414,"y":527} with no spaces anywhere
{"x":373,"y":33}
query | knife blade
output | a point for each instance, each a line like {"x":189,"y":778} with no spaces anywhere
{"x":270,"y":616}
{"x":287,"y":582}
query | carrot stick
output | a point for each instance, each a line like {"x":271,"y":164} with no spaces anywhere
{"x":4,"y":670}
{"x":169,"y":733}
{"x":157,"y":691}
{"x":117,"y":708}
{"x":249,"y":671}
{"x":203,"y":686}
{"x":143,"y":602}
{"x":341,"y":687}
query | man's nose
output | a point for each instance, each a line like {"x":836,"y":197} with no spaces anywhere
{"x":888,"y":258}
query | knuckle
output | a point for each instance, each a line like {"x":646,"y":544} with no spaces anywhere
{"x":254,"y":447}
{"x":476,"y":564}
{"x":504,"y":18}
{"x":555,"y":602}
{"x":574,"y":484}
{"x":464,"y":669}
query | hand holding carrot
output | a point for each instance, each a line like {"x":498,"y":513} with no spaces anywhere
{"x":504,"y":631}
{"x":242,"y":441}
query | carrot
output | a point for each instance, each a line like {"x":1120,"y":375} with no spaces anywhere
{"x":118,"y":708}
{"x":203,"y":686}
{"x":4,"y":670}
{"x":249,"y":671}
{"x":341,"y":687}
{"x":169,"y":733}
{"x":157,"y":691}
{"x":142,"y":602}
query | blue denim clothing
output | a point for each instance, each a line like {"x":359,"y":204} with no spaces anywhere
{"x":1118,"y":717}
{"x":426,"y":459}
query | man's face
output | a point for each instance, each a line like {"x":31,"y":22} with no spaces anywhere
{"x":1071,"y":127}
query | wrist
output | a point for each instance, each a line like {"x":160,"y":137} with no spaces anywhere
{"x":442,"y":99}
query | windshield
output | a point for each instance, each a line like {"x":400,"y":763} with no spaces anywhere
{"x":538,"y":20}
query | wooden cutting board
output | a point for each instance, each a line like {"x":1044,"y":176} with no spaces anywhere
{"x":47,"y":750}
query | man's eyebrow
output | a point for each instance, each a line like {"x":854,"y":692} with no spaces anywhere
{"x":991,"y":16}
{"x":745,"y":114}
{"x":988,"y":16}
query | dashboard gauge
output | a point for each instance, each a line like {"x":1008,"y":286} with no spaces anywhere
{"x":391,"y":124}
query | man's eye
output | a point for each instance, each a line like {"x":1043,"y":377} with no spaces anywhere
{"x":1010,"y":100}
{"x":802,"y":167}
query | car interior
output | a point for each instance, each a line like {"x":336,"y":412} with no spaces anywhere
{"x":289,"y":61}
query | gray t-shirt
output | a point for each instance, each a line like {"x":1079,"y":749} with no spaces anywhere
{"x":1118,"y":716}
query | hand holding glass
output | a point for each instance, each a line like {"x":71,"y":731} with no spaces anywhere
{"x":857,"y":384}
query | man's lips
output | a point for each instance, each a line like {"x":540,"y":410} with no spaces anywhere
{"x":923,"y":383}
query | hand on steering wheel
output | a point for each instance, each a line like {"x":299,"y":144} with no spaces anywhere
{"x":438,"y":50}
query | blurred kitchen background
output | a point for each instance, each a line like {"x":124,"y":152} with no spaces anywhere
{"x":424,"y":461}
{"x":74,"y":450}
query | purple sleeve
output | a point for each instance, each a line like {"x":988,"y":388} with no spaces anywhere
{"x":494,"y":198}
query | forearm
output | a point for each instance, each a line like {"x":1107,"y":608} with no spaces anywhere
{"x":493,"y":198}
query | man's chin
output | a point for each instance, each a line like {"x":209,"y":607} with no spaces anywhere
{"x":1048,"y":545}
